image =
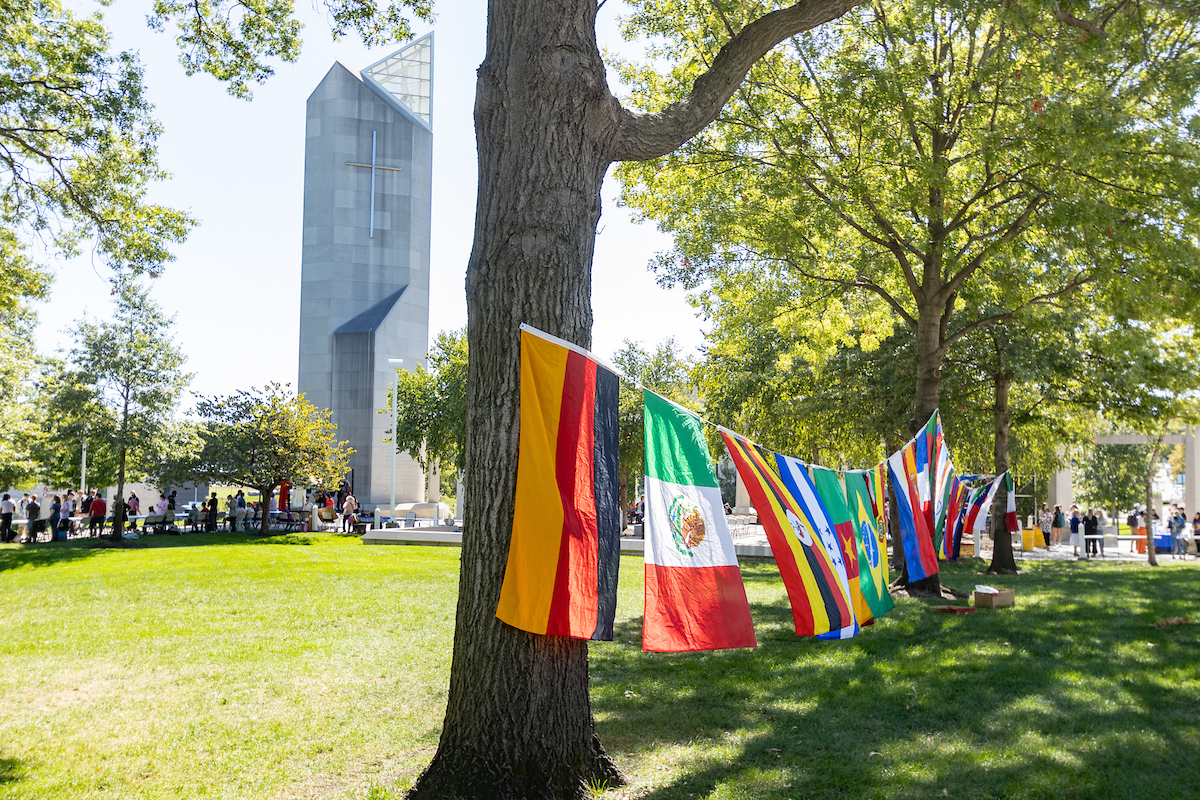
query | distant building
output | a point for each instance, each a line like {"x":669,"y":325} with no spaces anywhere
{"x":364,"y":297}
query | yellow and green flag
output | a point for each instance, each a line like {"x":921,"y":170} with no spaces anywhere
{"x":872,"y":545}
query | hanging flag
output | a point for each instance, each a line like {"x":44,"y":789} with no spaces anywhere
{"x":947,"y":543}
{"x":695,"y":598}
{"x":833,"y":498}
{"x":974,"y":504}
{"x":960,"y":519}
{"x":944,"y":477}
{"x":977,"y":515}
{"x":919,"y":556}
{"x":872,"y":545}
{"x":820,"y":602}
{"x":924,"y":457}
{"x":561,"y":576}
{"x":878,"y":486}
{"x":1010,"y":517}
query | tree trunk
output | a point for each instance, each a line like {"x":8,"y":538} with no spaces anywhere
{"x":1002,"y":553}
{"x":623,"y":496}
{"x":119,"y":505}
{"x":1151,"y":468}
{"x":518,"y":717}
{"x":265,"y":526}
{"x":928,"y":396}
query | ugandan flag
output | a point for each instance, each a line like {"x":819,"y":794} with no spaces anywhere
{"x":872,"y":545}
{"x":820,"y":601}
{"x":561,"y":577}
{"x":695,"y":599}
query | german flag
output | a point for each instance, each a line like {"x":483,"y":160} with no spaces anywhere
{"x":820,"y":601}
{"x":561,"y":577}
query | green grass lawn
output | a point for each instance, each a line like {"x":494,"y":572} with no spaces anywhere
{"x":310,"y":666}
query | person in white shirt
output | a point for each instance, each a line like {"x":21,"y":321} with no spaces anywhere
{"x":7,"y":508}
{"x":349,"y":506}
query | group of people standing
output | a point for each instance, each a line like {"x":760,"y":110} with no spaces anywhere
{"x":68,"y":514}
{"x":1085,"y":529}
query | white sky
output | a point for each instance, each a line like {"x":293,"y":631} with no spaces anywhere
{"x":239,"y":166}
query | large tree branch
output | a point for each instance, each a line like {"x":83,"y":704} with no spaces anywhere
{"x":1082,"y":24}
{"x":1070,"y":286}
{"x":644,"y":136}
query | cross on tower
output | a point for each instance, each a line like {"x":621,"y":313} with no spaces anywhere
{"x":372,"y":166}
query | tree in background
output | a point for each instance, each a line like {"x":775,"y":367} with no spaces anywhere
{"x":261,"y":438}
{"x":135,"y":371}
{"x":1110,"y":476}
{"x":956,"y":162}
{"x":78,"y":143}
{"x":662,"y":372}
{"x":432,"y":423}
{"x":69,"y":413}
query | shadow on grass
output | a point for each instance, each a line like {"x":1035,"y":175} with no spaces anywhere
{"x":12,"y":770}
{"x":51,"y":553}
{"x":1073,"y":693}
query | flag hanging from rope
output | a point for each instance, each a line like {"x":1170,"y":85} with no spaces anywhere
{"x":695,"y":598}
{"x":833,"y":497}
{"x":981,"y":502}
{"x":872,"y":545}
{"x":561,"y":576}
{"x":915,"y":536}
{"x":947,"y":543}
{"x":820,"y":602}
{"x":1010,"y":517}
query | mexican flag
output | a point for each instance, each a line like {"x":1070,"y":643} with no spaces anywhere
{"x":695,"y":599}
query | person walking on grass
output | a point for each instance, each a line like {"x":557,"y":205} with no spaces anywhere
{"x":1176,"y":523}
{"x":211,"y":523}
{"x":1045,"y":521}
{"x":1091,"y":531}
{"x":1057,"y":523}
{"x":33,"y":513}
{"x":349,"y":506}
{"x":7,"y":509}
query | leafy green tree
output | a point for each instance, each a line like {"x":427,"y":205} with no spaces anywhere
{"x":661,"y":371}
{"x":431,"y":425}
{"x":263,"y":437}
{"x":70,"y":413}
{"x":958,"y":162}
{"x":1110,"y":476}
{"x":78,"y":145}
{"x":235,"y":41}
{"x":135,"y":371}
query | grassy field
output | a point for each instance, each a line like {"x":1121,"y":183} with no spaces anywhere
{"x":310,"y":666}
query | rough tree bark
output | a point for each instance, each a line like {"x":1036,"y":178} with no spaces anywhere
{"x":1151,"y":468}
{"x":931,"y":350}
{"x":119,"y":505}
{"x":518,"y":717}
{"x":1002,"y":552}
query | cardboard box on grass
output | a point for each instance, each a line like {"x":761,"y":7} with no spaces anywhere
{"x":991,"y":597}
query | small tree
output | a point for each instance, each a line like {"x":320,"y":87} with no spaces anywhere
{"x":135,"y":371}
{"x":261,"y":438}
{"x":70,"y":413}
{"x":1112,"y":476}
{"x":432,"y":424}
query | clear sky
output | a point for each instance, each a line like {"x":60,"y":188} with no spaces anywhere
{"x":239,"y":166}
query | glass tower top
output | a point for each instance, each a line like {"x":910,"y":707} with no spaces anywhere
{"x":407,"y":76}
